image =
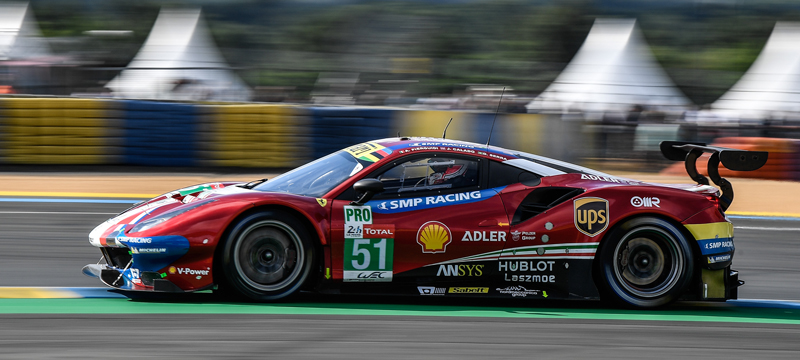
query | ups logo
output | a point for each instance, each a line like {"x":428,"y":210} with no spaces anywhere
{"x":591,"y":215}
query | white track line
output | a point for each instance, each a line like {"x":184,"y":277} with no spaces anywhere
{"x":765,"y":228}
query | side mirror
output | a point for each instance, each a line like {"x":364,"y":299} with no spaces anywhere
{"x":366,"y":189}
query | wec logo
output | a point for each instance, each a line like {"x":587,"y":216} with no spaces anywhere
{"x":372,"y":275}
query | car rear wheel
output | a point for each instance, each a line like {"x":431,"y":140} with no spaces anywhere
{"x":268,"y":256}
{"x":645,"y":262}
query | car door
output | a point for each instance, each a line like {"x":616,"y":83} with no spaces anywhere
{"x":435,"y":221}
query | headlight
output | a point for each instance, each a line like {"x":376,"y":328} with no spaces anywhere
{"x":153,"y":222}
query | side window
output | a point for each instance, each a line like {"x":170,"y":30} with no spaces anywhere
{"x":501,"y":175}
{"x":432,"y":173}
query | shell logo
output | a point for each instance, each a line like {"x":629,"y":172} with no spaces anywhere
{"x":172,"y":270}
{"x":434,"y":236}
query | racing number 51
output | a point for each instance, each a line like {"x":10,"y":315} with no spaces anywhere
{"x":381,"y":246}
{"x":365,"y":250}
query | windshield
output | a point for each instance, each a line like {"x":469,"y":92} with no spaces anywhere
{"x":315,"y":178}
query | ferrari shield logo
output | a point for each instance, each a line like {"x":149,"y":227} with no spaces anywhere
{"x":591,"y":215}
{"x":322,"y":202}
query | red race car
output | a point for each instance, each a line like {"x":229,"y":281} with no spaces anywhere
{"x":436,"y":217}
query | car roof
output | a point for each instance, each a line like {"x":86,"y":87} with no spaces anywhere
{"x":541,"y":165}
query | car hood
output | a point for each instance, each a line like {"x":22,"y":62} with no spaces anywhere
{"x":106,"y":233}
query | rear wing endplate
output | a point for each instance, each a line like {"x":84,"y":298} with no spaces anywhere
{"x":733,"y":159}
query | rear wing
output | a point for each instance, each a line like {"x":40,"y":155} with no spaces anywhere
{"x":733,"y":159}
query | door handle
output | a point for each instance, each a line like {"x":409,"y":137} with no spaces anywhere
{"x":488,"y":223}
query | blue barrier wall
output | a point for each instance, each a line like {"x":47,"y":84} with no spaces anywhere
{"x":150,"y":133}
{"x":159,"y":134}
{"x":334,"y":128}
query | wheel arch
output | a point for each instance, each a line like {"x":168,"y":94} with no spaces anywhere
{"x":596,"y":261}
{"x":224,"y":238}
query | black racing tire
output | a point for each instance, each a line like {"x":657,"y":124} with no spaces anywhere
{"x":268,"y":256}
{"x":645,"y":262}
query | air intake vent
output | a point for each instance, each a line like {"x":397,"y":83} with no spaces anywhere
{"x":542,"y":199}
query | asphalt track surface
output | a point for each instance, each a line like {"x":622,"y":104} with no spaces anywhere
{"x":45,"y":244}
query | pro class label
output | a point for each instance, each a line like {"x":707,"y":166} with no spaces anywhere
{"x":355,"y":217}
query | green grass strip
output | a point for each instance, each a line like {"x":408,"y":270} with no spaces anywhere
{"x":719,"y":313}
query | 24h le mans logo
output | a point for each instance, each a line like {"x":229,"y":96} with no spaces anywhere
{"x":591,"y":215}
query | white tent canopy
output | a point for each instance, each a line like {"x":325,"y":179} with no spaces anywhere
{"x":772,"y":84}
{"x":20,"y":38}
{"x":179,"y":61}
{"x":613,"y":71}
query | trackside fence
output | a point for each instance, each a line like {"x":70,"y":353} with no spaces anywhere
{"x":74,"y":131}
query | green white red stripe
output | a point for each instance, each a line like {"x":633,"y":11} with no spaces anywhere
{"x":548,"y":251}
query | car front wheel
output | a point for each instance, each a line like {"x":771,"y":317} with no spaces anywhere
{"x":268,"y":256}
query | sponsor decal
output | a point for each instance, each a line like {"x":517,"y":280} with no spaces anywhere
{"x":460,"y":270}
{"x":600,"y":178}
{"x":468,"y":290}
{"x":517,"y":235}
{"x":544,"y":265}
{"x":713,"y":259}
{"x":530,"y":278}
{"x":429,"y":202}
{"x":322,"y":202}
{"x":713,"y":238}
{"x":134,"y":240}
{"x":156,"y":252}
{"x":527,"y":266}
{"x":716,"y":246}
{"x":434,"y":236}
{"x":355,"y":217}
{"x":188,"y":271}
{"x":367,"y":276}
{"x":637,"y":201}
{"x":493,"y":236}
{"x":173,"y":270}
{"x":148,"y":250}
{"x":430,"y":290}
{"x":369,"y":151}
{"x":608,"y":179}
{"x":368,"y":260}
{"x":378,"y":231}
{"x":517,"y":291}
{"x":591,"y":215}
